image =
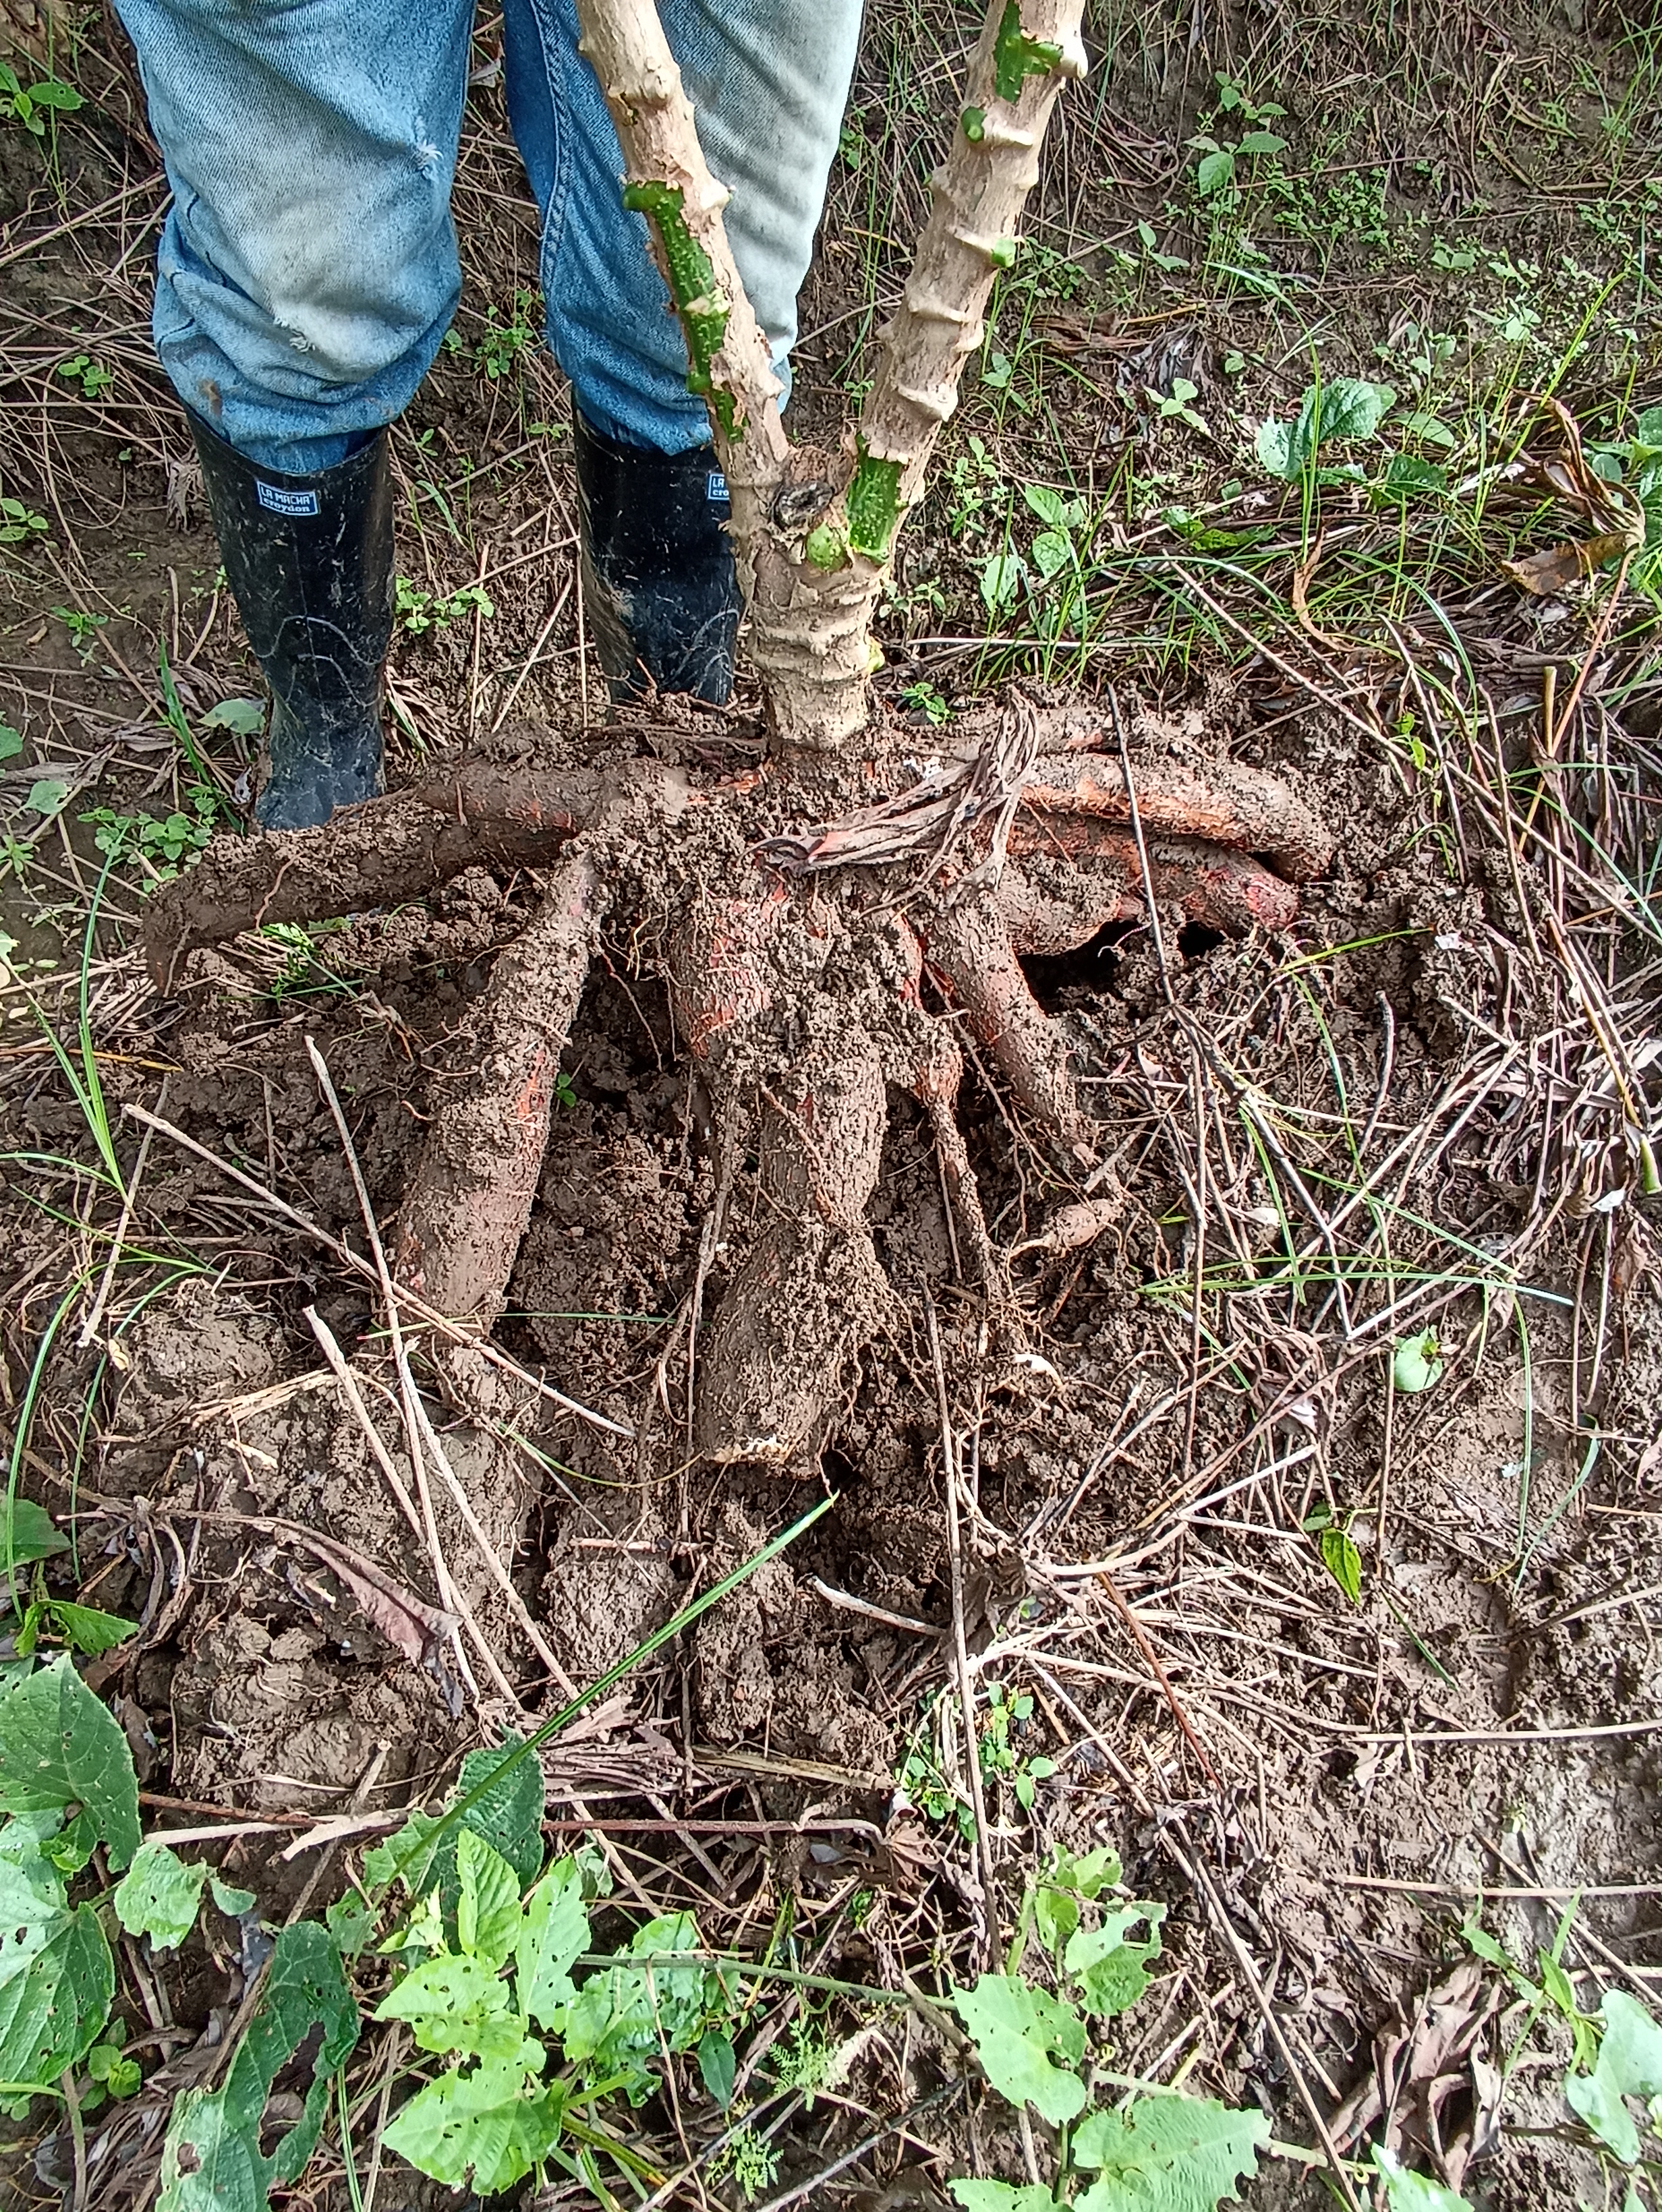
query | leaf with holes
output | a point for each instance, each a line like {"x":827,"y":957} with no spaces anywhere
{"x":1111,"y":1971}
{"x":56,"y":1978}
{"x":212,"y":2160}
{"x":488,"y":1915}
{"x":1167,"y":2153}
{"x":453,"y":2003}
{"x":60,"y":1746}
{"x":1017,"y":2031}
{"x":481,"y":2124}
{"x":159,"y":1895}
{"x":553,"y":1932}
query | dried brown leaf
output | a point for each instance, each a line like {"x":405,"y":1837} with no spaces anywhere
{"x":1545,"y":574}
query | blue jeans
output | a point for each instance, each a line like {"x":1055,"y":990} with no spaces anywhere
{"x":308,"y":271}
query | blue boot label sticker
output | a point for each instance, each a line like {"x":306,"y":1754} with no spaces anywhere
{"x":281,"y":502}
{"x":714,"y":489}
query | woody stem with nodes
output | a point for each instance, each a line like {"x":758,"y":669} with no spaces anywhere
{"x":812,"y":568}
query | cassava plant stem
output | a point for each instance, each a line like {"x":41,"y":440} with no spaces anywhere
{"x":812,"y":568}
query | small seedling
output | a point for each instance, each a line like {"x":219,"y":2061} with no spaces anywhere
{"x":1216,"y":171}
{"x":162,"y":843}
{"x":499,"y":350}
{"x":1001,"y":1756}
{"x":32,"y":104}
{"x":419,"y":612}
{"x":1416,"y":1363}
{"x":923,"y":699}
{"x":83,"y":630}
{"x":1337,"y":1547}
{"x":1341,"y":411}
{"x":18,"y":523}
{"x":91,"y":376}
{"x":1174,"y":407}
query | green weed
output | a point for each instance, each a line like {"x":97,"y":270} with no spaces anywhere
{"x":162,"y":843}
{"x":497,"y":353}
{"x":418,"y":612}
{"x":20,"y":525}
{"x":91,"y":376}
{"x":83,"y":630}
{"x":34,"y":106}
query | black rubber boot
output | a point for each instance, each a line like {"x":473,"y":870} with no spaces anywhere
{"x":658,"y":576}
{"x":309,"y":560}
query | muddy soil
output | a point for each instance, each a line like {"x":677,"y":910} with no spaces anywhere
{"x":1509,"y":1521}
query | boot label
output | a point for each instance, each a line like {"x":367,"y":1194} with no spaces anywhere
{"x":716,"y":487}
{"x":280,"y":501}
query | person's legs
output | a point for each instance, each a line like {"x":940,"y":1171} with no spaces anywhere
{"x":768,"y":80}
{"x":307,"y":269}
{"x":306,"y":274}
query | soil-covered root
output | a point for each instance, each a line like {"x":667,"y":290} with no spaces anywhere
{"x":468,"y":1207}
{"x":800,"y":991}
{"x":483,"y":812}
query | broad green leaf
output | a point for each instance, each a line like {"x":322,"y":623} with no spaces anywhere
{"x":350,"y":1921}
{"x":507,"y":1816}
{"x":1413,"y":2192}
{"x":1349,"y":407}
{"x":1407,"y":476}
{"x":245,"y":716}
{"x":1167,"y":2153}
{"x":60,"y":1746}
{"x":405,"y":1857}
{"x":1090,"y":1876}
{"x":1342,"y":1560}
{"x":488,"y":1910}
{"x":456,"y":2004}
{"x":1415,"y":1364}
{"x":1214,"y":170}
{"x":480,"y":2125}
{"x":27,"y":1531}
{"x":11,"y":744}
{"x":553,"y":1931}
{"x":1274,"y":447}
{"x":57,"y":1978}
{"x":622,"y":2018}
{"x":54,"y":94}
{"x":234,"y":1902}
{"x":212,"y":2160}
{"x":1629,"y":2065}
{"x":1051,"y":549}
{"x":159,"y":1895}
{"x":1016,"y":2030}
{"x":73,"y":1844}
{"x":46,"y":795}
{"x":1002,"y":575}
{"x":1049,"y":506}
{"x":1001,"y":2197}
{"x":717,"y":2065}
{"x":87,"y":1629}
{"x":1262,"y":141}
{"x":1430,"y":429}
{"x":1112,"y":1973}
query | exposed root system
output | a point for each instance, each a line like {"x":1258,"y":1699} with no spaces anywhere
{"x":808,"y":974}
